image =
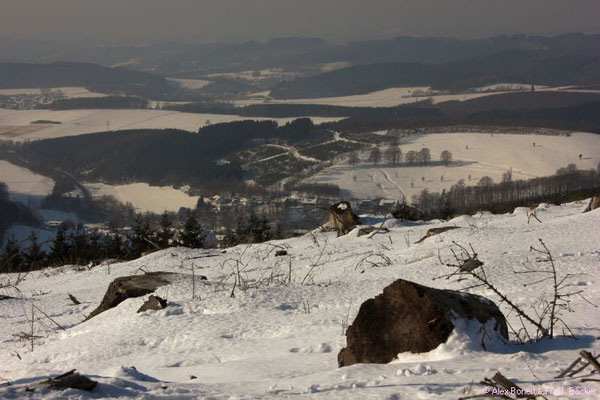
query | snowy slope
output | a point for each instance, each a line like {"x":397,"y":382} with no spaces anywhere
{"x":24,"y":185}
{"x":16,"y":124}
{"x":281,"y":337}
{"x":486,"y":155}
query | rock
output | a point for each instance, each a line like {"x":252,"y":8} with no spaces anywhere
{"x":408,"y":213}
{"x":435,"y":231}
{"x":594,"y":203}
{"x":341,"y":218}
{"x":153,"y":303}
{"x":408,"y":317}
{"x":280,"y":253}
{"x":132,"y":286}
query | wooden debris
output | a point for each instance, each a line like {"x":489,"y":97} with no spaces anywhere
{"x":585,"y":360}
{"x":74,"y":299}
{"x":500,"y":381}
{"x":68,"y":380}
{"x":436,"y":231}
{"x":372,"y":230}
{"x":591,"y":359}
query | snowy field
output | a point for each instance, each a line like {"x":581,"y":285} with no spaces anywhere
{"x":384,"y":98}
{"x":144,"y":197}
{"x":70,"y":92}
{"x":486,"y":155}
{"x":280,"y":338}
{"x":16,"y":124}
{"x":393,"y":97}
{"x":24,"y":185}
{"x":191,"y":84}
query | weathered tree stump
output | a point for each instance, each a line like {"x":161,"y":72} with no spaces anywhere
{"x":408,"y":317}
{"x":341,"y":218}
{"x":594,"y":203}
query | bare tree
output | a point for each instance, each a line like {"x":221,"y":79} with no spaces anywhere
{"x":446,"y":157}
{"x":353,"y":158}
{"x":507,"y":176}
{"x":485,"y":181}
{"x":424,"y":156}
{"x":375,"y":155}
{"x":411,"y":157}
{"x":393,"y":154}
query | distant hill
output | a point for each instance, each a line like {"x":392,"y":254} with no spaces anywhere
{"x":92,"y":76}
{"x":191,"y":60}
{"x":553,"y":68}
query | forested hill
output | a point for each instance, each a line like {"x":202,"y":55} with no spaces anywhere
{"x":92,"y":76}
{"x":552,"y":68}
{"x":164,"y":156}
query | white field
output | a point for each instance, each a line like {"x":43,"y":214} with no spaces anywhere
{"x":250,"y":76}
{"x":191,"y":84}
{"x":382,"y":98}
{"x":393,"y":97}
{"x":281,"y":340}
{"x":24,"y":185}
{"x":487,"y":156}
{"x":144,"y":197}
{"x":70,"y":92}
{"x":16,"y":124}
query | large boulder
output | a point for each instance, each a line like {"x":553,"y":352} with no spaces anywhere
{"x":408,"y":317}
{"x":594,"y":203}
{"x":132,"y":286}
{"x":341,"y":218}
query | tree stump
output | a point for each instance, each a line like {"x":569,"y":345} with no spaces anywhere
{"x":341,"y":218}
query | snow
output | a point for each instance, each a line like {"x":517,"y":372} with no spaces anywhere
{"x":391,"y":97}
{"x":397,"y":96}
{"x":486,"y":156}
{"x":16,"y":124}
{"x":24,"y":185}
{"x":190,"y":83}
{"x":280,"y":337}
{"x":145,"y":197}
{"x":70,"y":92}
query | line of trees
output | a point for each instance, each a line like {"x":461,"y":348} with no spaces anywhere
{"x":75,"y":245}
{"x":568,"y":184}
{"x":393,"y":156}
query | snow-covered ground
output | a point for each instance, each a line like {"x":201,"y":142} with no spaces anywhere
{"x":190,"y":83}
{"x":388,"y":97}
{"x":24,"y":185}
{"x":487,"y":155}
{"x":144,"y":197}
{"x":280,"y":338}
{"x":393,"y":97}
{"x":70,"y":92}
{"x":16,"y":124}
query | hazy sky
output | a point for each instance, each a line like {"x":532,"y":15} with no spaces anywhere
{"x":147,"y":21}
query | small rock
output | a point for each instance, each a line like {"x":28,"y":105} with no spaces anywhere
{"x":153,"y":303}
